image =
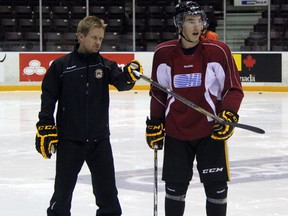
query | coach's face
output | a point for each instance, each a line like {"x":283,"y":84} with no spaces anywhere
{"x":91,"y":43}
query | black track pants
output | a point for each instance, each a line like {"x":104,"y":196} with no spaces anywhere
{"x":70,"y":159}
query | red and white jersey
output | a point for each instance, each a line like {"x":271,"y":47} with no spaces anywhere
{"x":208,"y":78}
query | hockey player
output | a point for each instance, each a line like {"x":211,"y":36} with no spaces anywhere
{"x":79,"y":83}
{"x":204,"y":72}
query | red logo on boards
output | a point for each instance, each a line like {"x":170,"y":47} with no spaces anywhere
{"x":249,"y":62}
{"x":33,"y":66}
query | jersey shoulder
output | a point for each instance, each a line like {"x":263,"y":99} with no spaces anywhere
{"x":166,"y":49}
{"x":215,"y":46}
{"x":167,"y":46}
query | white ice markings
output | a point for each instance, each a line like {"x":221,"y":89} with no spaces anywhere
{"x":245,"y":171}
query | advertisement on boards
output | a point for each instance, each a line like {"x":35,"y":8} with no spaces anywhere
{"x":33,"y":66}
{"x":250,"y":2}
{"x":259,"y":67}
{"x":253,"y":67}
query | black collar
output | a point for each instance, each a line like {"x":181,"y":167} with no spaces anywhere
{"x":190,"y":51}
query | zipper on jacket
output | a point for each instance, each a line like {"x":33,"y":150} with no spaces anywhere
{"x":87,"y":105}
{"x":87,"y":86}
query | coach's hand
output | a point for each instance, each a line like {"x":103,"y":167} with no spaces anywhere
{"x":130,"y":67}
{"x":223,"y":132}
{"x":46,"y":140}
{"x":154,"y":134}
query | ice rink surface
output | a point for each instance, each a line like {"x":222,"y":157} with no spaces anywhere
{"x":259,"y":163}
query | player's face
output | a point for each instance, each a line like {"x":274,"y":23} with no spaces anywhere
{"x":91,"y":43}
{"x":192,"y":27}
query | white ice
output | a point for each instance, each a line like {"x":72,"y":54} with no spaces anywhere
{"x":259,"y":163}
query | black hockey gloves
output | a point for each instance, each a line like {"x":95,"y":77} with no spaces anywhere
{"x":128,"y":70}
{"x":223,"y":132}
{"x":154,"y":134}
{"x":46,"y":140}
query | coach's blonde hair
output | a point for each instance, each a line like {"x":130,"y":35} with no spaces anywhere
{"x":89,"y":22}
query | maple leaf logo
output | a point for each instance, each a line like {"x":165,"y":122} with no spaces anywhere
{"x":249,"y":62}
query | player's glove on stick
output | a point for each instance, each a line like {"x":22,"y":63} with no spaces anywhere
{"x":130,"y":67}
{"x":223,"y":132}
{"x":46,"y":140}
{"x":154,"y":133}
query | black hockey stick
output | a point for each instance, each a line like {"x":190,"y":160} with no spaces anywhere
{"x":155,"y":180}
{"x":198,"y":108}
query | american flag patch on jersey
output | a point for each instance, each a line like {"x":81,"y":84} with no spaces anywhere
{"x":187,"y":80}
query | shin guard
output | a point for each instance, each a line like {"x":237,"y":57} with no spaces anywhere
{"x":175,"y":199}
{"x":216,"y":203}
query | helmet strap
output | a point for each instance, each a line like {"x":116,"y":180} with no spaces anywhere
{"x":182,"y":36}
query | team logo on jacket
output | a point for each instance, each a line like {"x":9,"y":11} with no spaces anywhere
{"x":99,"y":73}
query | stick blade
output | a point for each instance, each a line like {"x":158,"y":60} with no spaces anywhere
{"x":248,"y":127}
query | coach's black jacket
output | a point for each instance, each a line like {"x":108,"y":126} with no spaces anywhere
{"x":79,"y":83}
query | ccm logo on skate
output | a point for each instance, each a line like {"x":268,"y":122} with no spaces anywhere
{"x":212,"y":170}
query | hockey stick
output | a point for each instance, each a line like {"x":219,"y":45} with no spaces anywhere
{"x":197,"y":108}
{"x":155,"y":180}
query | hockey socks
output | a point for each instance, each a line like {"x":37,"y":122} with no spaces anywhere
{"x":174,"y":207}
{"x":213,"y":209}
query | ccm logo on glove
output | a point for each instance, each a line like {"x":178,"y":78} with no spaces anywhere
{"x":154,"y":134}
{"x":46,"y":140}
